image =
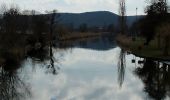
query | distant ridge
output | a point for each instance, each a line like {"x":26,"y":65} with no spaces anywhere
{"x":92,"y":19}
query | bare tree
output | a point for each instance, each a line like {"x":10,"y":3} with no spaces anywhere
{"x":122,"y":18}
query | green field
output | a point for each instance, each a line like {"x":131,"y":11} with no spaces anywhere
{"x":138,"y":48}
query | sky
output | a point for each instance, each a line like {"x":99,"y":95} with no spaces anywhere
{"x":77,"y":6}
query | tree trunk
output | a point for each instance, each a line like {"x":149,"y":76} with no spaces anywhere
{"x":166,"y":46}
{"x":159,"y":42}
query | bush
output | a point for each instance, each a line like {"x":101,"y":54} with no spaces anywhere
{"x":163,"y":33}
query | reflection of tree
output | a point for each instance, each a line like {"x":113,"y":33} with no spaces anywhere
{"x":11,"y":86}
{"x":51,"y":67}
{"x":121,"y":67}
{"x":45,"y":52}
{"x":156,"y":79}
{"x":42,"y":56}
{"x":46,"y":57}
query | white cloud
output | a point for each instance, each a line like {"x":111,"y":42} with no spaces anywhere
{"x":133,"y":4}
{"x":77,"y":6}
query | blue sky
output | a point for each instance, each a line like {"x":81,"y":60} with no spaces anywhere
{"x":78,"y":6}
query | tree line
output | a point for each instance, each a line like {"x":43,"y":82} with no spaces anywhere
{"x":14,"y":27}
{"x":157,"y":14}
{"x":155,"y":25}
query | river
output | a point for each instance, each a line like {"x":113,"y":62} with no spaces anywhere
{"x":86,"y":69}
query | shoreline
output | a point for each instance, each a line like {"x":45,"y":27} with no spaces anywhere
{"x":138,"y":49}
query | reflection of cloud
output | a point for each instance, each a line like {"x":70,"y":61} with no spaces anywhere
{"x":107,"y":57}
{"x":62,"y":87}
{"x":66,"y":87}
{"x":72,"y":82}
{"x":44,"y":86}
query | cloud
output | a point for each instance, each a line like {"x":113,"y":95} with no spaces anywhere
{"x":133,"y":4}
{"x":77,"y":6}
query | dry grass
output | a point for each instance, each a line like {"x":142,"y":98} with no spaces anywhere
{"x":137,"y":47}
{"x":78,"y":35}
{"x":123,"y":40}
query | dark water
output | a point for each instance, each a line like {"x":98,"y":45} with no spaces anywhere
{"x":86,"y":69}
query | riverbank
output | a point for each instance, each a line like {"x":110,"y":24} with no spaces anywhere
{"x":138,"y":48}
{"x":79,"y":35}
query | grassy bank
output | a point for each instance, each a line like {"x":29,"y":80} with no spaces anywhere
{"x":78,"y":35}
{"x":138,"y":48}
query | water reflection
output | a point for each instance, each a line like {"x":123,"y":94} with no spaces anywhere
{"x":121,"y":66}
{"x":83,"y":69}
{"x":156,"y":78}
{"x":45,"y":55}
{"x":102,"y":43}
{"x":12,"y":87}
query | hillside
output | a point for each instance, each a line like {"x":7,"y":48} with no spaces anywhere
{"x":91,"y":19}
{"x":98,"y":18}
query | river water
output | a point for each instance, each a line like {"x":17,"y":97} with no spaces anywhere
{"x":85,"y":69}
